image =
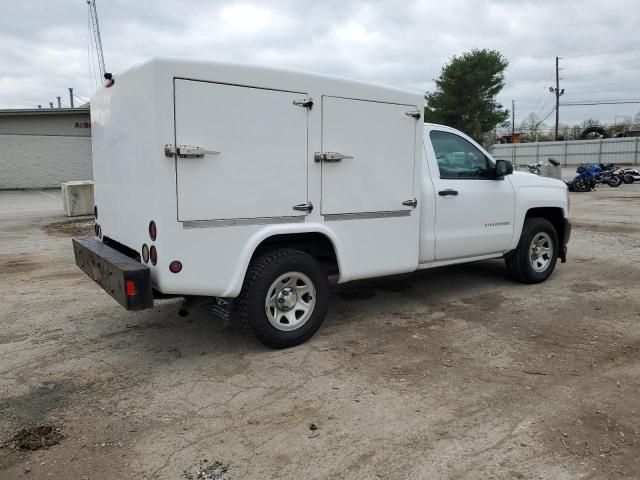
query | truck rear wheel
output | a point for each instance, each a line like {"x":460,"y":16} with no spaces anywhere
{"x":284,"y":298}
{"x":535,"y":257}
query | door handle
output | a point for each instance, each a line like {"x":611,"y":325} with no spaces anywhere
{"x":411,"y":203}
{"x":304,"y":207}
{"x":185,"y":151}
{"x":448,"y":191}
{"x":330,"y":157}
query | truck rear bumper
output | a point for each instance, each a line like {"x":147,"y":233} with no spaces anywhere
{"x":565,"y":240}
{"x":125,"y":279}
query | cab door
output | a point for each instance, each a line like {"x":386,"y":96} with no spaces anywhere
{"x":474,"y":211}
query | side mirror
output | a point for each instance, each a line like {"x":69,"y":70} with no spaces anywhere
{"x":503,"y":167}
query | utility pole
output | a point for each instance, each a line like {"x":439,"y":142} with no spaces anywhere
{"x":557,"y":97}
{"x":513,"y":118}
{"x":558,"y":94}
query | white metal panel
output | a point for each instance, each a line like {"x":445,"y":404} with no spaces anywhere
{"x":261,"y":137}
{"x":381,"y":139}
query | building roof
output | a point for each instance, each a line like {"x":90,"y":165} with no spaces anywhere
{"x":12,"y":112}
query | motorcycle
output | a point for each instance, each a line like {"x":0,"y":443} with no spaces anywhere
{"x":630,"y":175}
{"x":586,"y":179}
{"x":610,"y":175}
{"x":535,"y":167}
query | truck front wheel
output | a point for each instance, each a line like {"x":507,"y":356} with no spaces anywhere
{"x":535,"y":257}
{"x":284,"y":298}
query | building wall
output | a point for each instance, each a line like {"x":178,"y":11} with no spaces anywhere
{"x":71,"y":125}
{"x":43,"y":148}
{"x":42,"y":161}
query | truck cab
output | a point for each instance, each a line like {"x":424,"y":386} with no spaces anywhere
{"x":256,"y":184}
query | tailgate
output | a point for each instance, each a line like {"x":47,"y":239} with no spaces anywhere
{"x":125,"y":279}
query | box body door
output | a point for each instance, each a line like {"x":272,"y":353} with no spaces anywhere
{"x":381,"y":139}
{"x":362,"y":197}
{"x":261,"y":137}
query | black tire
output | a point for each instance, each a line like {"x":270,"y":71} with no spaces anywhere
{"x":582,"y":185}
{"x":614,"y":181}
{"x":263,"y":271}
{"x":628,"y":178}
{"x":518,"y":261}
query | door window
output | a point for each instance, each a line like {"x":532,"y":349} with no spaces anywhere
{"x":458,"y":158}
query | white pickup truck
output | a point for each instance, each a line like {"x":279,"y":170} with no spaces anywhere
{"x":257,"y":184}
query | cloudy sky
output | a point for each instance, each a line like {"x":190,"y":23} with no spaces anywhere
{"x":44,"y":44}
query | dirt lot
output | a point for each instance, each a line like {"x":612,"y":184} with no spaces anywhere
{"x":450,"y":373}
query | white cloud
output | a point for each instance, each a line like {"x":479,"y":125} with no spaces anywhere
{"x":404,"y":43}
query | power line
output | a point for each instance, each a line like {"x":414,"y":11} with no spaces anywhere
{"x":92,"y":71}
{"x":574,"y":104}
{"x":626,"y":62}
{"x":95,"y":26}
{"x":80,"y":98}
{"x":598,"y":54}
{"x":544,"y":89}
{"x":547,"y":116}
{"x":544,"y":106}
{"x":595,"y":74}
{"x":582,"y":92}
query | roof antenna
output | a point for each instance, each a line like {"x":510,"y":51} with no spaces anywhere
{"x":93,"y":13}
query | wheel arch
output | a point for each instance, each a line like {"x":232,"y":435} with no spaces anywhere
{"x":318,"y":241}
{"x":555,"y":215}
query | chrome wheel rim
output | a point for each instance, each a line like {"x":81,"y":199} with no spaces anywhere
{"x":290,"y":301}
{"x":541,"y":252}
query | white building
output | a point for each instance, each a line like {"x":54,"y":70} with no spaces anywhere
{"x":41,"y":148}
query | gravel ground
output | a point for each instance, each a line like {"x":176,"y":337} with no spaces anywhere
{"x":448,"y":373}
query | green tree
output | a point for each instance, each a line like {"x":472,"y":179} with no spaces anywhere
{"x":465,"y":95}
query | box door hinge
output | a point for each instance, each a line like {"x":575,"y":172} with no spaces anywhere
{"x":304,"y":102}
{"x":304,"y":207}
{"x":413,"y":113}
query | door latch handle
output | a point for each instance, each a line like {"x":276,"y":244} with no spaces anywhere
{"x":448,"y":191}
{"x":411,"y":203}
{"x":330,"y":157}
{"x":413,"y":113}
{"x":304,"y":207}
{"x":304,"y":102}
{"x":185,"y":151}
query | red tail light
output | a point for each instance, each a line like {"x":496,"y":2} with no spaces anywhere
{"x":175,"y":266}
{"x":153,"y":254}
{"x":131,"y":288}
